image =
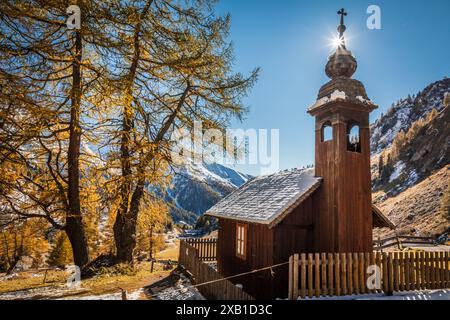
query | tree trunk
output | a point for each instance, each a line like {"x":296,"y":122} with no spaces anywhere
{"x":151,"y":244}
{"x":125,"y":224}
{"x":74,"y":223}
{"x":125,"y":188}
{"x":128,"y":225}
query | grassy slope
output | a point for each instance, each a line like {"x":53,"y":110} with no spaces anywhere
{"x":417,"y":210}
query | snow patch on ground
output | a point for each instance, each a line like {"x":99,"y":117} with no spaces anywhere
{"x":399,"y":167}
{"x":47,"y":292}
{"x":182,"y":290}
{"x":412,"y":178}
{"x":135,"y":295}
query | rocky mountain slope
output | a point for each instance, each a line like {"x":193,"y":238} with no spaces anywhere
{"x":405,"y":112}
{"x":197,"y":187}
{"x":420,"y":209}
{"x":410,"y":161}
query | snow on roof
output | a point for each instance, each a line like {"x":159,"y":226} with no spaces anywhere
{"x":267,"y":199}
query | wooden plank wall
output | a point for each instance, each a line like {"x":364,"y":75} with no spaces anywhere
{"x":259,"y":255}
{"x":207,"y":280}
{"x":337,"y":274}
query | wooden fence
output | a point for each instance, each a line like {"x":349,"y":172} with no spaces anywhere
{"x":336,"y":274}
{"x":207,"y":280}
{"x":399,"y":241}
{"x":206,"y":248}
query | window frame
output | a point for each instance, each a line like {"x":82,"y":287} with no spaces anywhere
{"x":351,"y":147}
{"x":325,"y":125}
{"x":241,"y":240}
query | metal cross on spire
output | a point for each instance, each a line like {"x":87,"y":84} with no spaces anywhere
{"x":341,"y":28}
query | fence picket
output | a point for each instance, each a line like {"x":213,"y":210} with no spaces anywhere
{"x":295,"y":279}
{"x":378,"y":263}
{"x":317,"y":274}
{"x":432,"y":271}
{"x":350,"y":273}
{"x":344,"y":274}
{"x":418,"y":270}
{"x":391,"y":272}
{"x":446,"y":282}
{"x":330,"y":274}
{"x":310,"y":275}
{"x":439,"y":270}
{"x":337,"y":274}
{"x":291,"y":283}
{"x":356,"y":273}
{"x":323,"y":275}
{"x":303,"y":276}
{"x":407,"y":271}
{"x":396,"y":271}
{"x":367,"y":263}
{"x":427,"y":271}
{"x":362,"y":283}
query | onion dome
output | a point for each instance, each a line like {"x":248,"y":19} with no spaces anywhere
{"x":341,"y":64}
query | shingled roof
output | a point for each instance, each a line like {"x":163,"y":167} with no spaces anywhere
{"x":267,"y":199}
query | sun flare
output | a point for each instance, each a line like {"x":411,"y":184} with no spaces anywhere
{"x":335,"y":42}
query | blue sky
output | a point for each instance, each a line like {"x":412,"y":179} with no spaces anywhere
{"x":289,"y":40}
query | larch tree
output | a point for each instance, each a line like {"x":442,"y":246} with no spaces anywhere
{"x":132,"y":74}
{"x":179,"y":70}
{"x":53,"y":84}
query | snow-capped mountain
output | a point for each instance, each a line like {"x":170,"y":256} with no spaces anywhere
{"x":197,"y":187}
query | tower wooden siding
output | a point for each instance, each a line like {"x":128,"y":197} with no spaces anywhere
{"x":344,"y":214}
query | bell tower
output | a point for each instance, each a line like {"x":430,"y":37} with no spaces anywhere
{"x":342,"y":156}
